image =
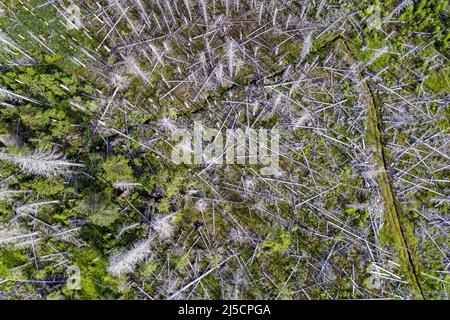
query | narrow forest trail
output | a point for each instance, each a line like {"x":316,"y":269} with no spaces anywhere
{"x":394,"y":229}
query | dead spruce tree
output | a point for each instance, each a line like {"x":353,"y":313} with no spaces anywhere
{"x":42,"y":163}
{"x":125,"y":261}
